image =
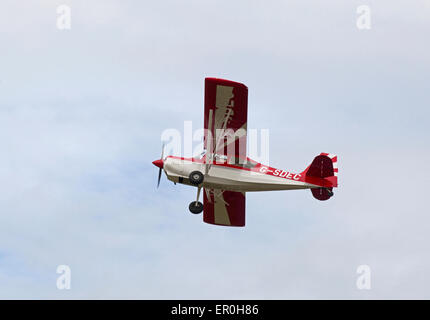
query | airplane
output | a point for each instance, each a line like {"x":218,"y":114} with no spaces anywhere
{"x":223,"y":170}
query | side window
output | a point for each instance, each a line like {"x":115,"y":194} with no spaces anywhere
{"x":249,"y":164}
{"x":244,"y":163}
{"x":234,"y":161}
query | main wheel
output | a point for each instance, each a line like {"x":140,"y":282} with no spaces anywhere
{"x":196,"y":209}
{"x":196,"y":177}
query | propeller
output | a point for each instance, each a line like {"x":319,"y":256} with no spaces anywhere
{"x":159,"y":177}
{"x":159,"y":163}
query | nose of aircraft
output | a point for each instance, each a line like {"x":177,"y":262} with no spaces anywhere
{"x":158,"y":163}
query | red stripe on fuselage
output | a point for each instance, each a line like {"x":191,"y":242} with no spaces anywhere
{"x":258,"y":168}
{"x":282,"y":174}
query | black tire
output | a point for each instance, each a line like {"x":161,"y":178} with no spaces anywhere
{"x":196,"y":209}
{"x":196,"y":178}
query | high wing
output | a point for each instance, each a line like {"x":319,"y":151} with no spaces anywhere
{"x":226,"y":110}
{"x":225,"y":208}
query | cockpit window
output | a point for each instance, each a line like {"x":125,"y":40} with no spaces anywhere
{"x":250,"y":164}
{"x":245,"y":163}
{"x":202,"y":154}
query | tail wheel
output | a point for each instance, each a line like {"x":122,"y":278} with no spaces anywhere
{"x":196,"y":207}
{"x":196,"y":177}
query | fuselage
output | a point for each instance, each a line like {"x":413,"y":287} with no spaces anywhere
{"x":250,"y":176}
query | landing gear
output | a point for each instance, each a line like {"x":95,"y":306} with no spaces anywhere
{"x":196,"y":207}
{"x":196,"y":178}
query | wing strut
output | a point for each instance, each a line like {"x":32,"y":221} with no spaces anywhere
{"x":209,"y":151}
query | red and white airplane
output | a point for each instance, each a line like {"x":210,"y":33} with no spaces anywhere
{"x":225,"y":172}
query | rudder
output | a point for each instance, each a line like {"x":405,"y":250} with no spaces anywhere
{"x":323,"y":171}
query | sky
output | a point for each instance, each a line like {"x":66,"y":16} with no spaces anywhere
{"x":82,"y":112}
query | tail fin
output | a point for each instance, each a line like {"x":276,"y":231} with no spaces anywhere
{"x":322,"y":172}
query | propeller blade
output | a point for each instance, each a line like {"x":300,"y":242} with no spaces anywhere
{"x":162,"y":152}
{"x":159,"y":177}
{"x":159,"y":163}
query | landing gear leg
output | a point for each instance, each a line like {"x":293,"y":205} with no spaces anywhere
{"x":198,"y":194}
{"x":196,"y":207}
